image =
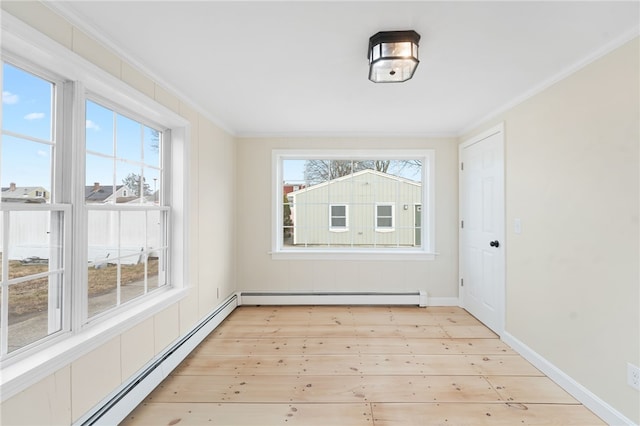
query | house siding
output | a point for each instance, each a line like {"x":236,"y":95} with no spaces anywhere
{"x":361,"y":192}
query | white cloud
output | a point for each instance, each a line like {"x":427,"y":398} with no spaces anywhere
{"x":42,"y":153}
{"x":9,"y":98}
{"x":34,"y":116}
{"x":92,"y":125}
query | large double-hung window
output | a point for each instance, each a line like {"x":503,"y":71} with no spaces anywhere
{"x":125,"y":208}
{"x":35,"y":211}
{"x":92,"y":220}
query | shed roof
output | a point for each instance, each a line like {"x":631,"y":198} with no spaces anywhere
{"x":350,"y":176}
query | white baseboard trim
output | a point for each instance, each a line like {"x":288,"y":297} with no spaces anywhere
{"x":269,"y":298}
{"x":602,"y":409}
{"x":444,"y":301}
{"x":419,"y":298}
{"x":114,"y":408}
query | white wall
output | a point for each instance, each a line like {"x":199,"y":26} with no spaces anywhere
{"x":75,"y":388}
{"x":258,"y":272}
{"x":572,"y":177}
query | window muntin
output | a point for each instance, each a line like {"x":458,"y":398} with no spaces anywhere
{"x":373,"y":187}
{"x":127,"y":242}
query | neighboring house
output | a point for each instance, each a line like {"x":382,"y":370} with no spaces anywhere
{"x":365,"y":209}
{"x":105,"y":194}
{"x":24,"y":194}
{"x":290,"y":187}
{"x":147,"y":199}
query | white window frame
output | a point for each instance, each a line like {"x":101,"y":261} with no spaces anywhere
{"x":425,"y":252}
{"x":344,"y":228}
{"x":393,"y":217}
{"x":22,"y":43}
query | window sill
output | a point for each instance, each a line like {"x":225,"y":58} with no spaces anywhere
{"x":378,"y":254}
{"x":25,"y":372}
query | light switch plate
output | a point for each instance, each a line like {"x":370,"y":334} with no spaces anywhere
{"x":517,"y":225}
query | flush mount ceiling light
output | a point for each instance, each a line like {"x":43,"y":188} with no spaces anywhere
{"x":393,"y":56}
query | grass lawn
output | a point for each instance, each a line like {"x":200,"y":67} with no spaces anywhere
{"x":31,"y":296}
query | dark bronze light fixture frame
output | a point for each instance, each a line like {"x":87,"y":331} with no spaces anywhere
{"x":393,"y":56}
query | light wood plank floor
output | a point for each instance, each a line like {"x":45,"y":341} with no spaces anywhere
{"x":314,"y":365}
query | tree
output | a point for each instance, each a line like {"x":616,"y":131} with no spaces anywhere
{"x":133,"y":181}
{"x":316,"y":171}
{"x":155,"y":139}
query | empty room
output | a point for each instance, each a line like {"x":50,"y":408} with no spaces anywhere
{"x":320,"y":212}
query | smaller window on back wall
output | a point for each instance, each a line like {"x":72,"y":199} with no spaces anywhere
{"x":353,"y":203}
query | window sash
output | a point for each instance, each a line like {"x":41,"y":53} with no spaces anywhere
{"x":59,"y":296}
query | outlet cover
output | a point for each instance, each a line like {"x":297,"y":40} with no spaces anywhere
{"x":633,"y":376}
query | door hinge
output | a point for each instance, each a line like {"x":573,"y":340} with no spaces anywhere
{"x":461,"y":166}
{"x":462,"y":224}
{"x":461,"y":282}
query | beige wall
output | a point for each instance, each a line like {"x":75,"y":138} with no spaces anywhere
{"x":258,"y":272}
{"x":572,"y":177}
{"x":73,"y":390}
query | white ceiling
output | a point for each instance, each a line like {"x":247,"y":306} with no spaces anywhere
{"x":300,"y":67}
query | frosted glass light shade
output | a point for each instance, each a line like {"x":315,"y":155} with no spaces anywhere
{"x":393,"y":56}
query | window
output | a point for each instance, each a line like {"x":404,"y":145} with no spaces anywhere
{"x":87,"y":212}
{"x":384,"y":217}
{"x":127,"y":243}
{"x":364,"y":193}
{"x":33,"y":230}
{"x":339,"y":219}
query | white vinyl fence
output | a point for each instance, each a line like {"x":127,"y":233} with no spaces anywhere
{"x":112,"y":234}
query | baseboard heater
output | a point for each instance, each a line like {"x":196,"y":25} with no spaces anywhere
{"x":336,"y":298}
{"x":115,"y":408}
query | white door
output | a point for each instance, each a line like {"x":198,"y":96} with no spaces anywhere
{"x":482,"y":252}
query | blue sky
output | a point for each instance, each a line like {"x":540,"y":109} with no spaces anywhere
{"x":26,"y":158}
{"x":26,"y":109}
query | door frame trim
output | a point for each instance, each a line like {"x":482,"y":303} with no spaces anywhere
{"x":502,"y":302}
